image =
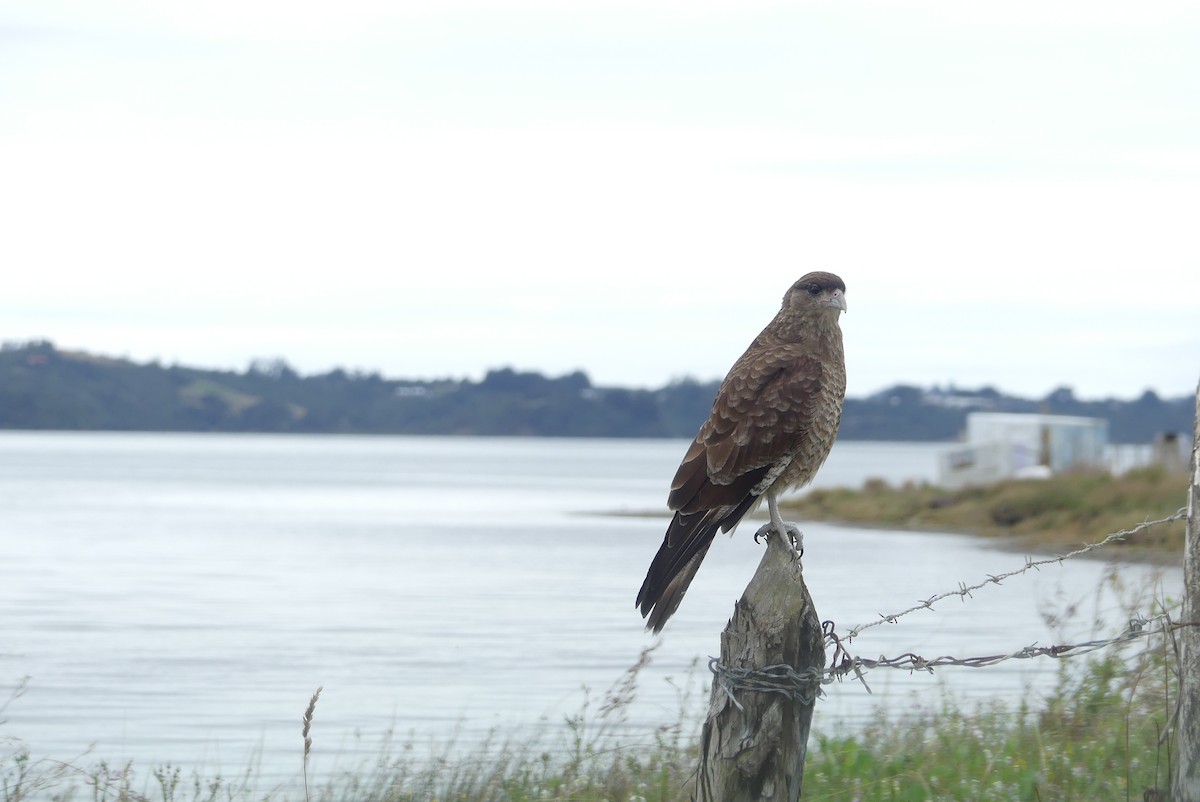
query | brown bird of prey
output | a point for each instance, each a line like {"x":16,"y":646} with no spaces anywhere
{"x":771,"y":426}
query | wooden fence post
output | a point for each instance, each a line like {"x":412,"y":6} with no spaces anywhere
{"x":1185,"y":782}
{"x":755,"y":738}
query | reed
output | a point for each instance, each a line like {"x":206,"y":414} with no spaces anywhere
{"x":306,"y":719}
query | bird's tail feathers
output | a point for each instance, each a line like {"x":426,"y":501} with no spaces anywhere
{"x":674,"y":567}
{"x":666,"y":600}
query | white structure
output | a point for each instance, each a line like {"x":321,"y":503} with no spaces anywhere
{"x":1004,"y":445}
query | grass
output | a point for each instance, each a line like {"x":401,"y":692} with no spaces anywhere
{"x":1063,"y":510}
{"x":197,"y":391}
{"x":1097,"y":734}
{"x":1096,"y":737}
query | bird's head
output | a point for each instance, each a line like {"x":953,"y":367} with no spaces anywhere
{"x":817,"y":292}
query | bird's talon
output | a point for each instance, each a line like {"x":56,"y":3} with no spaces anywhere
{"x":795,"y":536}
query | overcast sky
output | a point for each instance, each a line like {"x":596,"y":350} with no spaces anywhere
{"x":1011,"y":191}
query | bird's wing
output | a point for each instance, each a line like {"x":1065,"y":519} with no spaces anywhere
{"x":762,"y":413}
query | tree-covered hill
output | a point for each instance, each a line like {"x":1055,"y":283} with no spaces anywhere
{"x":42,"y":387}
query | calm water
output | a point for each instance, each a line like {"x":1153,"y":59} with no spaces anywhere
{"x":178,"y":598}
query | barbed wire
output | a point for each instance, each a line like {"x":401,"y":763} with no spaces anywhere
{"x":1138,"y":627}
{"x":965,"y":590}
{"x":806,"y":685}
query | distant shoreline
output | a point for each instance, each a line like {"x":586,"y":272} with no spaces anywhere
{"x":45,"y":389}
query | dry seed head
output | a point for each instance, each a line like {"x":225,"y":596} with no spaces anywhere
{"x":307,"y":720}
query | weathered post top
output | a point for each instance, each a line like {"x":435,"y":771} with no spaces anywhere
{"x":755,"y":738}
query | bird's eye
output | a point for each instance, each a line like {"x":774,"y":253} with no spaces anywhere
{"x":813,"y":289}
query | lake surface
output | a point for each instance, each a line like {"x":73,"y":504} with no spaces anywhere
{"x":178,"y":598}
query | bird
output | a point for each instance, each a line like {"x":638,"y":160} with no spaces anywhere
{"x":772,"y":424}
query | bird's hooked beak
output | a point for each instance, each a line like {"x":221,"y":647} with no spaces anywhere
{"x":837,"y":299}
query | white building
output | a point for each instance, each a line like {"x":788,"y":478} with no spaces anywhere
{"x":1003,"y":445}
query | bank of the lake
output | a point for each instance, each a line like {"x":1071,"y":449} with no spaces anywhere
{"x":1042,"y":515}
